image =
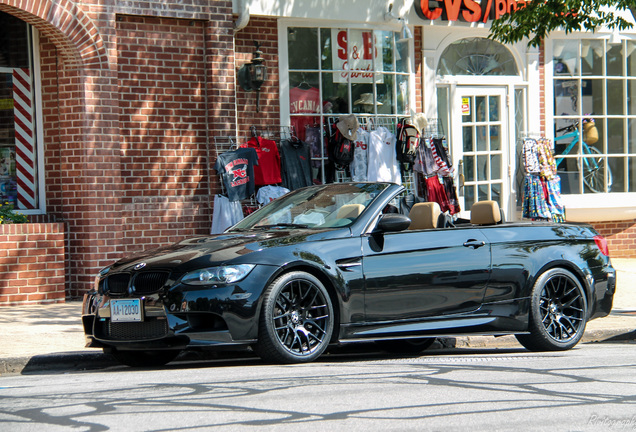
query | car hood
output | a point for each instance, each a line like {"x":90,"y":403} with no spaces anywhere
{"x":236,"y":248}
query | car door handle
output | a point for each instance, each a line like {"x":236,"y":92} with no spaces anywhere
{"x":474,"y":243}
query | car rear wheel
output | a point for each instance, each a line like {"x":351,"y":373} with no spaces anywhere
{"x":558,"y":312}
{"x":152,"y":358}
{"x":297,"y":319}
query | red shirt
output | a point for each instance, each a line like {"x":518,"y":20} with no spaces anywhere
{"x":267,"y":172}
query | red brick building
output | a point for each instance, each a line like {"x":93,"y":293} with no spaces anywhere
{"x":132,"y":102}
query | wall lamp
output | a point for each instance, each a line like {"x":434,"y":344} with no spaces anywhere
{"x":252,"y":75}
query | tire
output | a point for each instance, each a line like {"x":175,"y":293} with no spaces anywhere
{"x":153,"y":358}
{"x":594,"y":175}
{"x":297,"y":319}
{"x":558,"y":312}
{"x":406,"y":346}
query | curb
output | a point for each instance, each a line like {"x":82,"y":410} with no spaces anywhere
{"x":82,"y":361}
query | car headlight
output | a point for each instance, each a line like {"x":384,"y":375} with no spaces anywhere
{"x":100,"y":275}
{"x":212,"y":275}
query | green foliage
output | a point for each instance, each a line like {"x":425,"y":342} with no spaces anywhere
{"x":538,"y":18}
{"x":7,"y":215}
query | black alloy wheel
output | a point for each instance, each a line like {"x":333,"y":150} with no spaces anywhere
{"x":558,"y":312}
{"x":297,"y":320}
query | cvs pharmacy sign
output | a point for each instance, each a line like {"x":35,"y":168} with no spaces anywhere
{"x":466,"y":10}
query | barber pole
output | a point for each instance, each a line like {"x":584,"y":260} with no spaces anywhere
{"x":24,"y":138}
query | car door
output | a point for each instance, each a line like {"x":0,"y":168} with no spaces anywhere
{"x":417,"y":274}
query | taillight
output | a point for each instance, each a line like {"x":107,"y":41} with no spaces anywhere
{"x":601,"y":243}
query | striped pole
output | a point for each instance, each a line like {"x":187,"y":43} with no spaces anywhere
{"x":24,"y":138}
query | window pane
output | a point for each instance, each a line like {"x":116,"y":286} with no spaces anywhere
{"x":469,"y":168}
{"x":495,"y":167}
{"x":615,"y":59}
{"x":565,"y":57}
{"x":615,"y":97}
{"x":334,"y":94}
{"x":495,"y":140}
{"x":593,"y":96}
{"x":631,"y":97}
{"x":566,"y":97}
{"x":493,"y":108}
{"x":481,"y":109}
{"x":385,"y":94}
{"x":384,"y":39}
{"x":403,"y":95}
{"x":631,"y":58}
{"x":631,"y":135}
{"x":631,"y":165}
{"x":469,"y":196}
{"x":482,"y":139}
{"x":616,"y":172}
{"x":482,"y":168}
{"x":326,"y":48}
{"x":401,"y":55}
{"x":302,"y":44}
{"x":592,"y":57}
{"x":482,"y":193}
{"x":615,"y":135}
{"x":469,"y":145}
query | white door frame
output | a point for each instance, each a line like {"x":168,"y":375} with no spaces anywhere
{"x":506,"y":145}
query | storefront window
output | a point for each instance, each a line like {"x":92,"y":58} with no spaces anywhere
{"x":594,"y":115}
{"x":18,"y":174}
{"x":476,"y":56}
{"x":335,"y":71}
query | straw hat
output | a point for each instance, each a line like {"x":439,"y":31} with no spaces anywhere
{"x":419,"y":121}
{"x":348,"y":125}
{"x":366,"y":99}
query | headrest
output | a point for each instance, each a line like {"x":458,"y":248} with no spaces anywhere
{"x":424,"y":215}
{"x":350,"y":211}
{"x":485,"y":213}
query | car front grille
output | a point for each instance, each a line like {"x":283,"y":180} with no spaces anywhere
{"x":149,"y":282}
{"x":142,"y":283}
{"x":118,"y":283}
{"x":152,"y":329}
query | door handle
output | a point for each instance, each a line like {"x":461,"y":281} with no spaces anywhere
{"x":474,"y":243}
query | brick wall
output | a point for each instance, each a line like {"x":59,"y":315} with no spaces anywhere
{"x":621,"y":237}
{"x":31,"y":263}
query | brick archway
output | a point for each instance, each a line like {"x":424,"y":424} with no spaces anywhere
{"x":72,"y":31}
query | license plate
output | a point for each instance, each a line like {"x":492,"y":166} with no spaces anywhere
{"x":125,"y":310}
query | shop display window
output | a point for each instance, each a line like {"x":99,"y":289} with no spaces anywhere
{"x":594,"y":114}
{"x":18,"y":152}
{"x":339,"y":71}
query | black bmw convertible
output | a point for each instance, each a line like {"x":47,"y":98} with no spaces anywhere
{"x":351,"y":262}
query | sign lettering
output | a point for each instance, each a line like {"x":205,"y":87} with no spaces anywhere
{"x":466,"y":10}
{"x":355,"y":58}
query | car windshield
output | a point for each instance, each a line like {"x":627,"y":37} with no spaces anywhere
{"x":325,"y":206}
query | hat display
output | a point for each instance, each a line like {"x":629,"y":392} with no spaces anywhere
{"x":366,"y":99}
{"x":419,"y":121}
{"x":348,"y":125}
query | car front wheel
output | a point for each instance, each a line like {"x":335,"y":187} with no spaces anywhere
{"x":558,"y":312}
{"x":297,"y":319}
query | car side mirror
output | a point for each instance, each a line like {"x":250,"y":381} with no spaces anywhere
{"x":393,"y":222}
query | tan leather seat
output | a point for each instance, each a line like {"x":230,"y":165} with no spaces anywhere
{"x":424,"y":215}
{"x":350,"y":211}
{"x":485,"y":213}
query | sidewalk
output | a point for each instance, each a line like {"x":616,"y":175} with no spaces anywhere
{"x":42,"y":337}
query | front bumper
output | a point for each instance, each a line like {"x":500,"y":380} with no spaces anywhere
{"x":182,"y":316}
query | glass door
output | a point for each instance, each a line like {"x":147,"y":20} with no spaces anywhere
{"x":480,"y":145}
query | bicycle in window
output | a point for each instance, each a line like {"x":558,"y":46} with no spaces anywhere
{"x":593,"y":162}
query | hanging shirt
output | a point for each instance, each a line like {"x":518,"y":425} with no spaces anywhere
{"x":360,"y":164}
{"x":382,"y":158}
{"x":296,"y":163}
{"x":236,"y":169}
{"x":267,"y":171}
{"x":267,"y":194}
{"x":226,"y":213}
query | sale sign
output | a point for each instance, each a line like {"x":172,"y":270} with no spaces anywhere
{"x":355,"y":55}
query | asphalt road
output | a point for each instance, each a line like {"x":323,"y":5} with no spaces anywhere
{"x":590,"y":388}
